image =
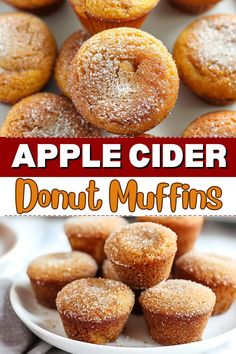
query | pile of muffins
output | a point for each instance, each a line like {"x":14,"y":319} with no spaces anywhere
{"x":113,"y":76}
{"x":148,"y":267}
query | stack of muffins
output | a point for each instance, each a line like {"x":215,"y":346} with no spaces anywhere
{"x":113,"y":77}
{"x":147,"y":267}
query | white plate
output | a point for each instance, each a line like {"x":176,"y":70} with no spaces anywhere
{"x":165,"y":23}
{"x":46,"y":323}
{"x":8,"y":243}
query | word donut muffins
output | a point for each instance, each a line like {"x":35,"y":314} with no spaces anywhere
{"x":124,"y":80}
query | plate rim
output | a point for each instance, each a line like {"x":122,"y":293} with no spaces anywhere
{"x":218,"y":340}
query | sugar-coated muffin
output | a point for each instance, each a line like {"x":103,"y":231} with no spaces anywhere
{"x":50,"y":273}
{"x":141,"y":253}
{"x":39,"y":7}
{"x":94,"y":310}
{"x":214,"y":271}
{"x":177,"y":311}
{"x":46,"y":115}
{"x":65,"y":57}
{"x":194,"y":6}
{"x":220,"y":124}
{"x":187,"y":229}
{"x":205,"y":54}
{"x":124,"y":80}
{"x":88,"y":234}
{"x":28,"y":51}
{"x":96,"y":16}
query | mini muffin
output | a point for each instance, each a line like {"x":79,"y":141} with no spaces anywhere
{"x":88,"y":234}
{"x":216,"y":272}
{"x":221,"y":124}
{"x":39,"y":7}
{"x":50,"y":273}
{"x":124,"y":80}
{"x":94,"y":310}
{"x":187,"y":229}
{"x":97,"y":16}
{"x":177,"y":311}
{"x":27,"y":55}
{"x":141,"y":253}
{"x":194,"y":6}
{"x":205,"y":54}
{"x":65,"y":57}
{"x":45,"y":115}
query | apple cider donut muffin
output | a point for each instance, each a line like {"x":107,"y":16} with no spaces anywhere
{"x":65,"y":57}
{"x":187,"y":229}
{"x":97,"y":16}
{"x":220,"y":124}
{"x":45,"y":115}
{"x":88,"y":234}
{"x":50,"y":273}
{"x":39,"y":7}
{"x":141,"y":253}
{"x":214,"y":271}
{"x":205,"y":54}
{"x":194,"y":6}
{"x":94,"y":310}
{"x":177,"y":311}
{"x":27,"y":55}
{"x":124,"y":80}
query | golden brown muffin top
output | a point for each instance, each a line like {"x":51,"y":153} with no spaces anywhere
{"x":108,"y":270}
{"x":211,"y":269}
{"x":114,"y":9}
{"x":46,"y":115}
{"x":220,"y":124}
{"x":95,"y":300}
{"x":140,"y":242}
{"x":210,"y":45}
{"x":123,"y":77}
{"x":92,"y":226}
{"x":180,"y":298}
{"x":26,"y":43}
{"x":62,"y":267}
{"x":173,"y":219}
{"x":64,"y":59}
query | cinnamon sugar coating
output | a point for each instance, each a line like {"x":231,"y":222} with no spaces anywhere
{"x":27,"y":54}
{"x":214,"y":271}
{"x":220,"y":124}
{"x":124,"y":80}
{"x":141,"y":253}
{"x":65,"y":57}
{"x":177,"y":311}
{"x":205,"y":54}
{"x":50,"y":273}
{"x":88,"y":234}
{"x":46,"y":115}
{"x":95,"y":310}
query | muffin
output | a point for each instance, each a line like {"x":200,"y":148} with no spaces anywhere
{"x":50,"y":273}
{"x":214,"y":271}
{"x":45,"y":115}
{"x":88,"y":234}
{"x":141,"y":253}
{"x":187,"y":229}
{"x":108,"y":271}
{"x":124,"y":80}
{"x":194,"y":6}
{"x":177,"y":311}
{"x":28,"y":52}
{"x":221,"y":124}
{"x":205,"y":54}
{"x":65,"y":57}
{"x":96,"y":16}
{"x":39,"y":7}
{"x":94,"y":310}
